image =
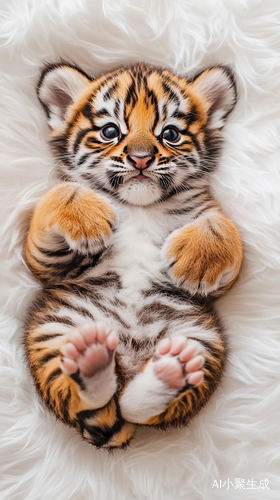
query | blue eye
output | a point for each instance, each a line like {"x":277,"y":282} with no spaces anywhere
{"x":170,"y":134}
{"x":110,"y":132}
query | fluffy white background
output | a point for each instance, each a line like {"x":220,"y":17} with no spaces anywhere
{"x":238,"y":433}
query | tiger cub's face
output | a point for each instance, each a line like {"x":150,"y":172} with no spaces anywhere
{"x":140,"y":133}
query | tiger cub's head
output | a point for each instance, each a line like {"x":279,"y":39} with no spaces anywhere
{"x":140,"y":133}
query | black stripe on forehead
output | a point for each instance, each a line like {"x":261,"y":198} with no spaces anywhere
{"x":131,"y":95}
{"x":151,"y":100}
{"x":139,"y":79}
{"x":180,"y":115}
{"x":189,"y":117}
{"x":139,"y":74}
{"x":150,"y":97}
{"x":87,"y":111}
{"x":164,"y":111}
{"x":168,"y":90}
{"x":193,"y":114}
{"x":102,"y":112}
{"x":109,"y":93}
{"x":90,"y":114}
{"x":117,"y":108}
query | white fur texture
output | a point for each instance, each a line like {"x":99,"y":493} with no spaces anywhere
{"x":238,"y":434}
{"x":149,"y":395}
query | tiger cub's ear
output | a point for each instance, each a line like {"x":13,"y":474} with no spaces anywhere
{"x":217,"y":86}
{"x":58,"y":88}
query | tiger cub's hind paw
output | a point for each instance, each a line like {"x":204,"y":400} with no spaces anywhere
{"x":89,"y":351}
{"x":175,"y":368}
{"x":177,"y":362}
{"x":88,"y":358}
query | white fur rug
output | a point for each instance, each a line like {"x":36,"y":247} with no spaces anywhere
{"x":235,"y":440}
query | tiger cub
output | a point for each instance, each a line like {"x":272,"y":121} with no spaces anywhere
{"x":130,"y":249}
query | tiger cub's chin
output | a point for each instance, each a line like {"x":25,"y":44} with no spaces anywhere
{"x":140,"y":192}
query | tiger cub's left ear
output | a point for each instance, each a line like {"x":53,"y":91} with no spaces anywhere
{"x":60,"y":85}
{"x":217,"y":87}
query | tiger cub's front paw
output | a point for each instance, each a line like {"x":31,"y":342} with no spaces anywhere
{"x":83,"y":218}
{"x":205,"y":256}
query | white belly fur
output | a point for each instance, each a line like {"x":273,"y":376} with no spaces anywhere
{"x":137,"y":251}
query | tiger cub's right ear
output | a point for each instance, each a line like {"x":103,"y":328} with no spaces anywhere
{"x":58,"y":88}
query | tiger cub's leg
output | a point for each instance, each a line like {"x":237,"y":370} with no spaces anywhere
{"x":205,"y":256}
{"x":175,"y":383}
{"x":69,"y":224}
{"x":74,"y":371}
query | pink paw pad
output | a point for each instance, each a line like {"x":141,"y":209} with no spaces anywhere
{"x":177,"y":362}
{"x":89,"y":350}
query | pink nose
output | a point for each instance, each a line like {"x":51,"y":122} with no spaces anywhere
{"x":140,"y":162}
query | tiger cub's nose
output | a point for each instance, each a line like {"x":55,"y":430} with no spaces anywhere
{"x":140,"y":162}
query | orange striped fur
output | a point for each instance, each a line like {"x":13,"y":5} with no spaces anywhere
{"x":197,"y":256}
{"x":132,"y":238}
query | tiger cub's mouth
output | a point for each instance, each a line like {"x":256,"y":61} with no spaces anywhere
{"x":140,"y":177}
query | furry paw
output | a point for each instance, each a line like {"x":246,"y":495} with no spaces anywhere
{"x":89,"y":351}
{"x":174,"y":368}
{"x":76,"y":214}
{"x":177,"y":362}
{"x":91,"y":221}
{"x":88,"y":358}
{"x":204,"y":257}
